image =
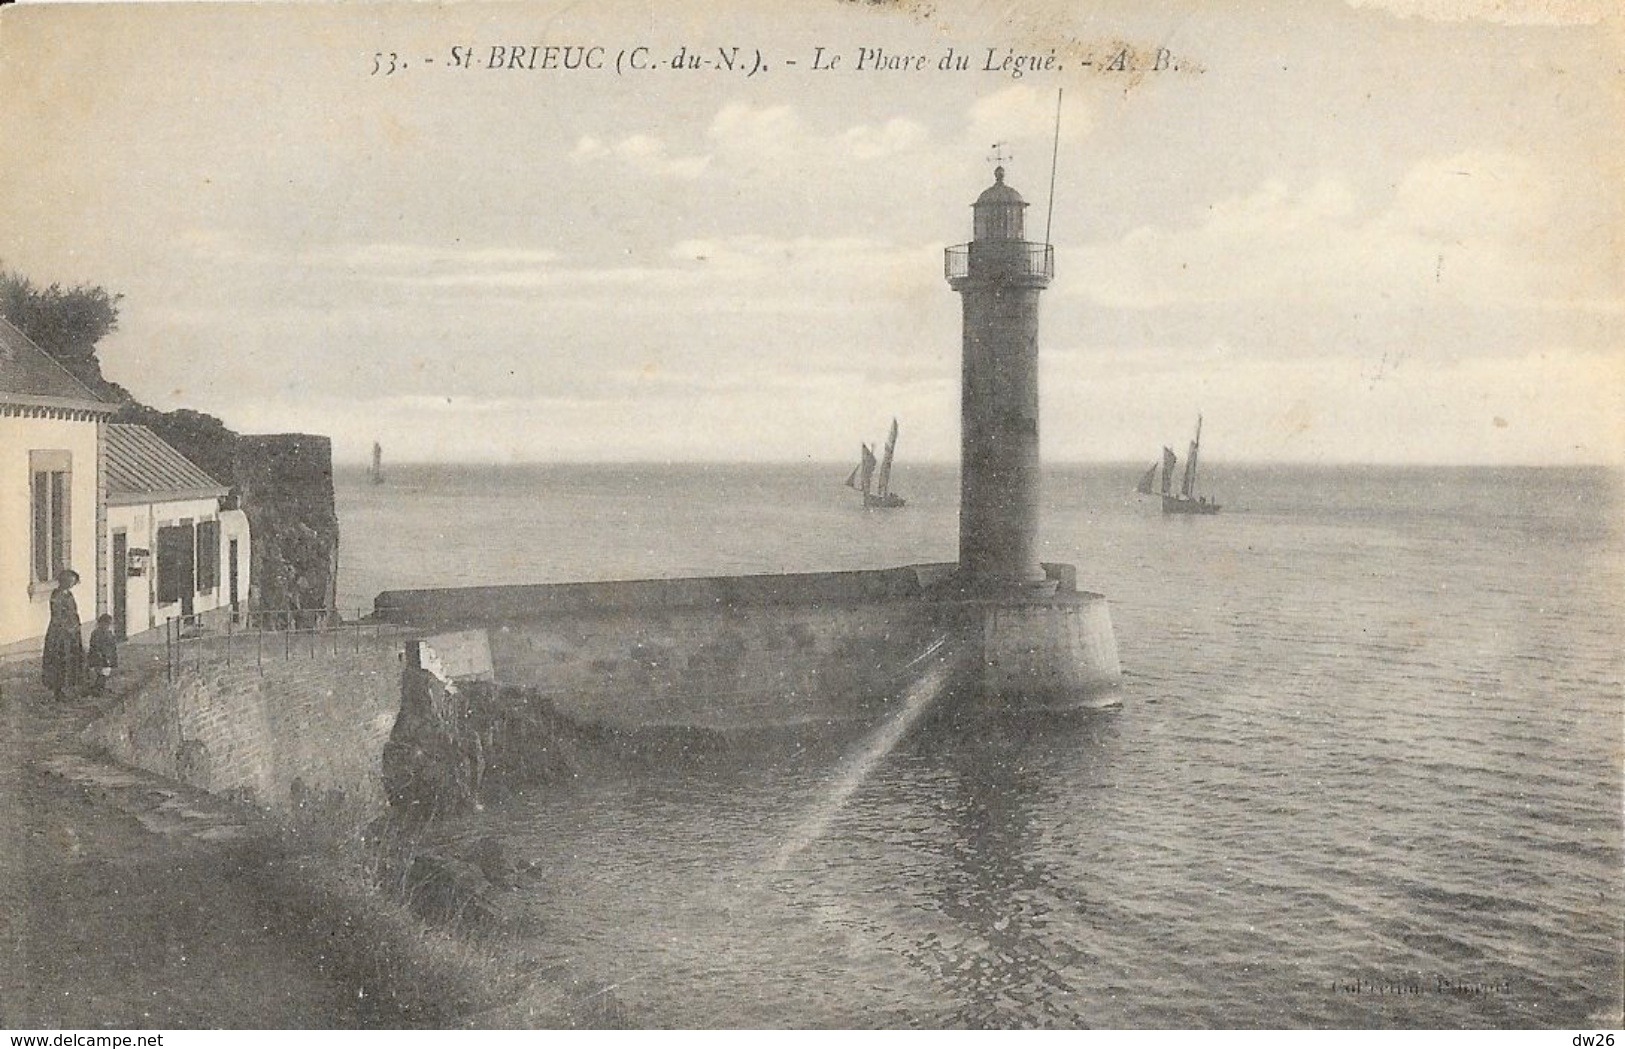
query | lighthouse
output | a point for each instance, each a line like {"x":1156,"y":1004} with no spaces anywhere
{"x":1033,"y":640}
{"x":999,"y":276}
{"x":998,"y":631}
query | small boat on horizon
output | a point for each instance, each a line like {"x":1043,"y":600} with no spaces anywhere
{"x":1185,"y":501}
{"x":882,"y":497}
{"x":375,"y":473}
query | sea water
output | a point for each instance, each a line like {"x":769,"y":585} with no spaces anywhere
{"x":1366,"y":771}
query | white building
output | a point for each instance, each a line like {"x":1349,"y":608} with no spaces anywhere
{"x":51,"y":511}
{"x":172,"y":552}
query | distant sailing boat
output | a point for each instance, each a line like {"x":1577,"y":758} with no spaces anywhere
{"x":1186,"y":501}
{"x":882,"y":497}
{"x":376,"y":474}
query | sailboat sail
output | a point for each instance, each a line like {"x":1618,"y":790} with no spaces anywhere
{"x":883,"y":482}
{"x":1188,"y":487}
{"x":876,"y":486}
{"x":866,"y":470}
{"x":1186,"y":501}
{"x":377,"y":471}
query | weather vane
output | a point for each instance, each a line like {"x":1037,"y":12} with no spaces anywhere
{"x":1000,"y":154}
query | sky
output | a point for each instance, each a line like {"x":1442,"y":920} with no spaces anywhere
{"x":1375,"y":231}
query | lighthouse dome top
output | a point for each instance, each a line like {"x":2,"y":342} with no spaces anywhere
{"x":999,"y":193}
{"x":998,"y":212}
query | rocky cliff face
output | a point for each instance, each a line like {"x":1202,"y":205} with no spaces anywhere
{"x":455,"y":746}
{"x":284,"y":483}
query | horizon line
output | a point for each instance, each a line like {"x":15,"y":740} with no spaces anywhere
{"x":954,"y":463}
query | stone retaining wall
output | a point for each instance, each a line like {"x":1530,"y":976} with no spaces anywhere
{"x":290,"y":735}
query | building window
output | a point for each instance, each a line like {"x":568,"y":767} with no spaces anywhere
{"x":50,"y":492}
{"x":208,"y":555}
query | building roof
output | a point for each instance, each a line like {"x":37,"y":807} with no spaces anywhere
{"x":29,"y":375}
{"x":143,"y":468}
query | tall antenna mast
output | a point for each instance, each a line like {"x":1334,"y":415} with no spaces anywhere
{"x":1054,"y":157}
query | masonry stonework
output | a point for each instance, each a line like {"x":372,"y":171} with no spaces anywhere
{"x":278,"y":735}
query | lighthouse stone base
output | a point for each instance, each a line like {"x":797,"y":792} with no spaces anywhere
{"x":1033,"y":648}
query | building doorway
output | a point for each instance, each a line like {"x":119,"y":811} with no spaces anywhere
{"x":177,"y":567}
{"x":121,"y":585}
{"x":231,"y":578}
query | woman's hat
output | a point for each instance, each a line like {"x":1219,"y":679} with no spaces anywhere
{"x":62,"y":576}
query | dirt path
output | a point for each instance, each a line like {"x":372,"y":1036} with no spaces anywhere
{"x":125,"y":900}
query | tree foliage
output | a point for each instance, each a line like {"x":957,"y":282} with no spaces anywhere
{"x":67,"y":323}
{"x":200,"y":437}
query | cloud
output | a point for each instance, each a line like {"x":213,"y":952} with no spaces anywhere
{"x":1023,"y":112}
{"x":1471,"y":229}
{"x":1502,"y":12}
{"x":536,"y":278}
{"x":871,"y":142}
{"x":642,"y":153}
{"x":1474,"y":194}
{"x":740,"y":273}
{"x":759,"y":140}
{"x":744,"y":128}
{"x":1337,"y":409}
{"x":1274,"y":244}
{"x":395,"y":258}
{"x":861,"y":261}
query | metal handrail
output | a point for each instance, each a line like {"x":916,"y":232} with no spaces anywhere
{"x":1017,"y":258}
{"x":288,"y":633}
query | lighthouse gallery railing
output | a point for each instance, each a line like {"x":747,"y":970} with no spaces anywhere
{"x":1021,"y":258}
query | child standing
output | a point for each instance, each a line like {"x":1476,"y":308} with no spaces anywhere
{"x":102,"y":655}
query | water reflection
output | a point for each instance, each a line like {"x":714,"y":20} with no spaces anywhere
{"x":916,"y":703}
{"x":1007,"y":966}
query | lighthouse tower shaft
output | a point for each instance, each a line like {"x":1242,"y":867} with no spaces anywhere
{"x":999,"y":276}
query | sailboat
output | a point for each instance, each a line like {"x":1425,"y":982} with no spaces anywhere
{"x":376,"y":473}
{"x":1186,"y":501}
{"x":865,"y":474}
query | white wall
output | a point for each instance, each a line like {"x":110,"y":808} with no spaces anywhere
{"x":25,"y":605}
{"x":234,"y":525}
{"x":140,"y":523}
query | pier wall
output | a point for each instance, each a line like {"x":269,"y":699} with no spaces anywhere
{"x":290,"y":736}
{"x":724,"y":653}
{"x":750,"y":652}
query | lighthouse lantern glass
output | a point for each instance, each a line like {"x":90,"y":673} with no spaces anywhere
{"x":999,"y":220}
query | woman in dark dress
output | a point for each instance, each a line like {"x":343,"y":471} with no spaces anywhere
{"x":64,"y":645}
